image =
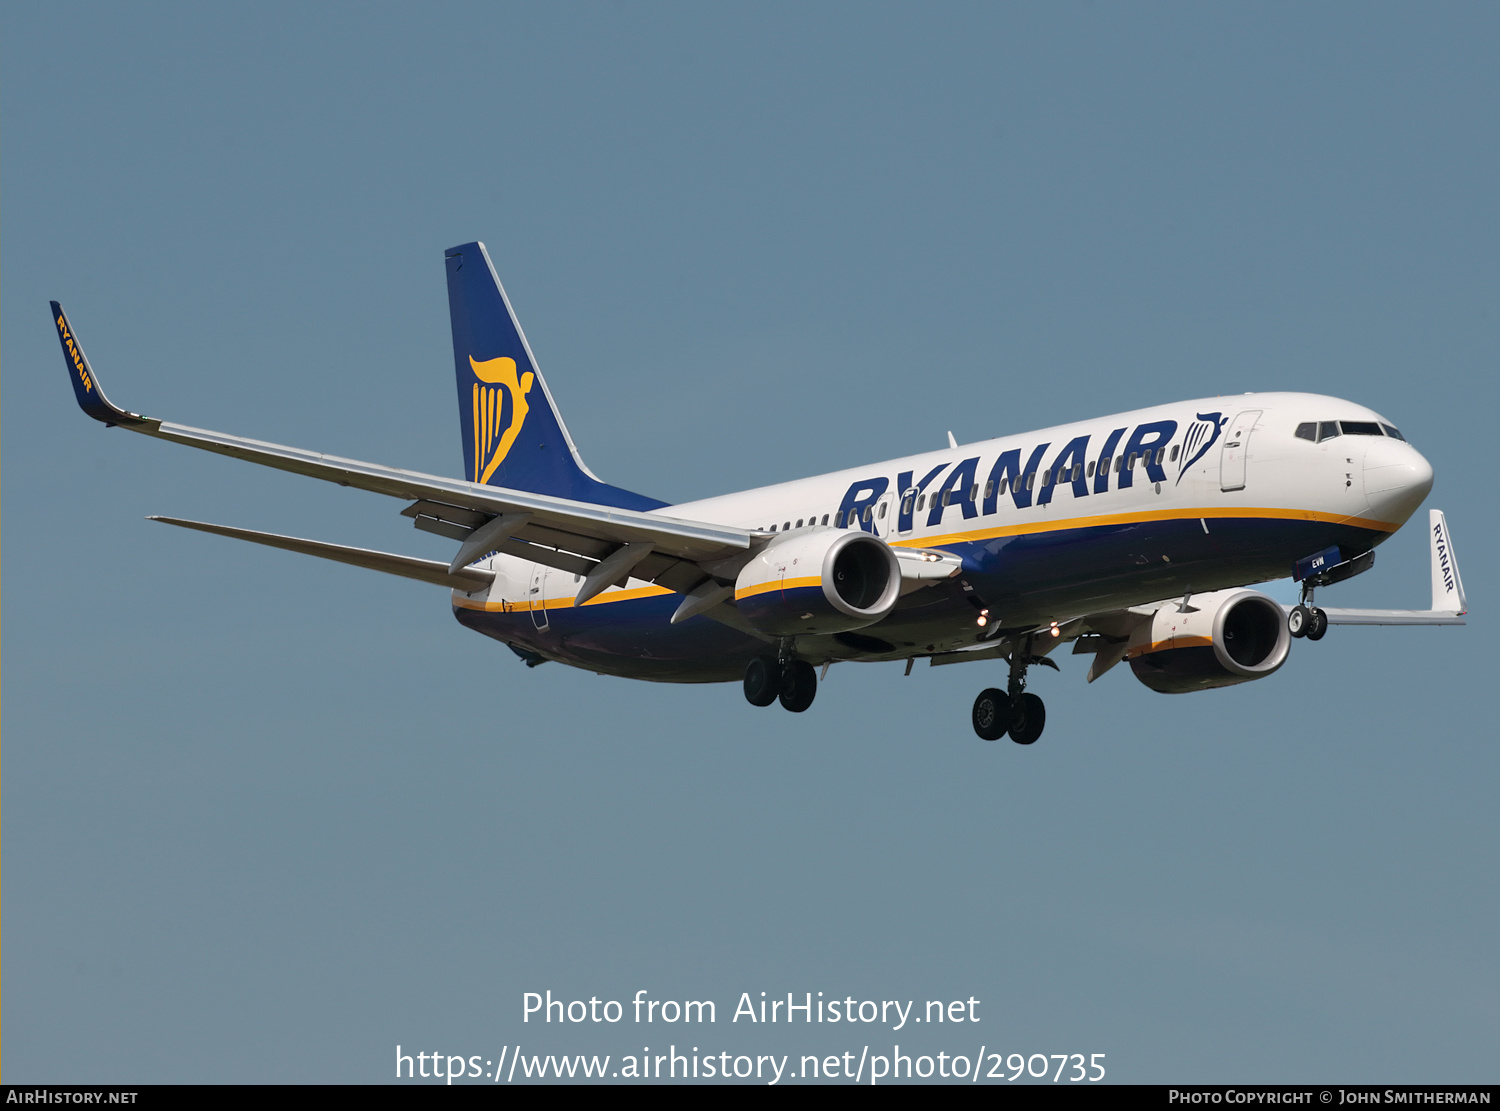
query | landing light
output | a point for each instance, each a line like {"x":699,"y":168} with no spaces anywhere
{"x":1055,"y":631}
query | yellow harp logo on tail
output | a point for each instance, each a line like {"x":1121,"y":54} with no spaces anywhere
{"x":491,"y":441}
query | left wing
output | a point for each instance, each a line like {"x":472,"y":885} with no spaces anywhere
{"x":604,"y":542}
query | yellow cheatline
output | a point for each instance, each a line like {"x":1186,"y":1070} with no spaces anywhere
{"x":778,"y":584}
{"x":608,"y":596}
{"x":1171,"y":642}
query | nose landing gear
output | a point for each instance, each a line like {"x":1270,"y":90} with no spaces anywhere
{"x":1015,"y":710}
{"x":1306,"y":620}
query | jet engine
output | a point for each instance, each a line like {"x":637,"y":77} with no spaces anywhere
{"x":818,"y":581}
{"x":1214,"y":640}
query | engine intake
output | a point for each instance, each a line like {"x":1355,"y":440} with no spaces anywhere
{"x":1234,"y":636}
{"x":818,"y":581}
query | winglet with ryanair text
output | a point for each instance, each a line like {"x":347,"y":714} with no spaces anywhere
{"x":86,"y":386}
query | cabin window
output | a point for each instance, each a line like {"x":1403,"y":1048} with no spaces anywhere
{"x":1130,"y":462}
{"x":974,"y":492}
{"x":825,"y":518}
{"x":1161,"y":453}
{"x":1119,"y":462}
{"x":947,"y":497}
{"x":881,"y":514}
{"x":1091,"y":466}
{"x":1173,"y":456}
{"x":773,"y":528}
{"x":1392,"y":433}
{"x":838,"y":518}
{"x":906,"y":506}
{"x":1077,"y":471}
{"x":921,"y":501}
{"x":989,"y":489}
{"x":1308,"y":430}
{"x":786,"y":527}
{"x":1327,"y":430}
{"x":1004,"y":482}
{"x":1360,"y":428}
{"x":1031,"y":480}
{"x":867,"y":514}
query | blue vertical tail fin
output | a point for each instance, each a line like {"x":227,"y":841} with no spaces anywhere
{"x":513,"y":435}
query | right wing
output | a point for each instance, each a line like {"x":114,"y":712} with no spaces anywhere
{"x":602,"y":541}
{"x":1448,"y":604}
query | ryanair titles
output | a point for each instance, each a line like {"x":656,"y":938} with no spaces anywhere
{"x":79,"y":367}
{"x":1034,"y":480}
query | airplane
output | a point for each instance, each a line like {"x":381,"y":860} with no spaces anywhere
{"x":1135,"y":537}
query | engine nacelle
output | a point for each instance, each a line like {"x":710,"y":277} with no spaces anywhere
{"x":818,"y":581}
{"x":1234,"y":636}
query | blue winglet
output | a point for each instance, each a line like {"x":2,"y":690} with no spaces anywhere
{"x":513,"y":435}
{"x":86,"y":387}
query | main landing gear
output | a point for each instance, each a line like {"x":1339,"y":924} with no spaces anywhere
{"x":1015,"y":710}
{"x":794,"y":682}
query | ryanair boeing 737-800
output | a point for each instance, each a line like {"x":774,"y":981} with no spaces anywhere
{"x":1133,"y":537}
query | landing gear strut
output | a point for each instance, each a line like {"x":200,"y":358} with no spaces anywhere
{"x":1013,"y":710}
{"x":792,"y":681}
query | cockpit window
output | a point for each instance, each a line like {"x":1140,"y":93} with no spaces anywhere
{"x":1392,"y":433}
{"x":1308,"y":431}
{"x":1328,"y":430}
{"x":1360,"y":428}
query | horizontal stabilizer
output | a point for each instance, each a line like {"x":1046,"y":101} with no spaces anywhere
{"x":467,"y":580}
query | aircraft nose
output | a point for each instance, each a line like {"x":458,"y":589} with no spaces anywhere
{"x":1397,"y":479}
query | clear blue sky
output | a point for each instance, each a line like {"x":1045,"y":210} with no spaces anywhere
{"x":265,"y":817}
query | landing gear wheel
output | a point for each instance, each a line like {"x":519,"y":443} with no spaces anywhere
{"x":1027,"y":718}
{"x":799,"y":685}
{"x":1299,"y":621}
{"x":991,"y":714}
{"x":762,"y":681}
{"x":1317,"y":626}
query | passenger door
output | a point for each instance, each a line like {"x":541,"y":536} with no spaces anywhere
{"x":1236,"y":447}
{"x":537,"y":595}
